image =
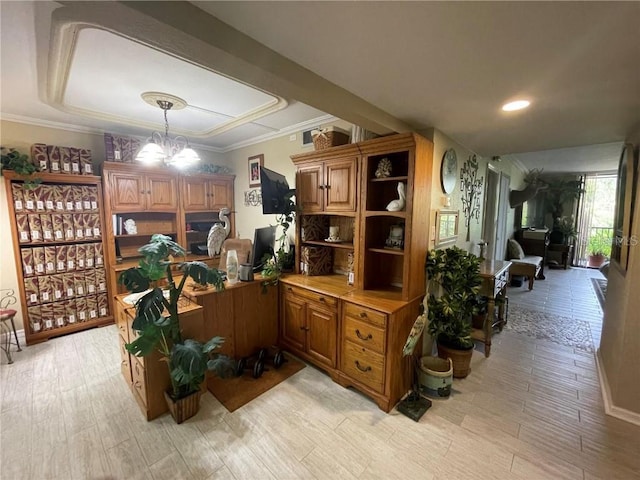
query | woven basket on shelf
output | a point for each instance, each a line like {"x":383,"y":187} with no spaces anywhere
{"x":330,"y":138}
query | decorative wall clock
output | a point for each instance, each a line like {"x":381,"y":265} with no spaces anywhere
{"x":449,"y":171}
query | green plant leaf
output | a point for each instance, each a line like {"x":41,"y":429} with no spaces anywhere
{"x":213,"y":344}
{"x":134,"y":280}
{"x":149,"y":310}
{"x":144,"y":345}
{"x":223,"y":366}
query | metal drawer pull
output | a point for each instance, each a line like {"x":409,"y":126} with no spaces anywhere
{"x":321,"y":299}
{"x":306,"y":329}
{"x":289,"y":289}
{"x":361,"y":368}
{"x":363,"y":315}
{"x":362,"y":337}
{"x":137,"y":384}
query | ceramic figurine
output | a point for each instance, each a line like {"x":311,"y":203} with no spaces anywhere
{"x":384,"y":168}
{"x":130,"y":227}
{"x":398,"y":205}
{"x":218,"y":233}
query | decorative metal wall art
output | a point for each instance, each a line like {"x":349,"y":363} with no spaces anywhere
{"x":471,"y":189}
{"x":253,"y":198}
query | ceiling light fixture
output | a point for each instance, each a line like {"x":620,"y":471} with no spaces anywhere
{"x":164,"y":149}
{"x":516,"y":105}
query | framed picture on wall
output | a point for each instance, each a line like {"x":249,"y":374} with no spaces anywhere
{"x":446,"y":227}
{"x":626,"y":191}
{"x":255,"y":163}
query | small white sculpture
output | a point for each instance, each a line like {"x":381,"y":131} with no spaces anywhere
{"x":398,"y":205}
{"x":218,"y":233}
{"x":130,"y":227}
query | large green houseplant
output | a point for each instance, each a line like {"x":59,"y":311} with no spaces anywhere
{"x":454,"y":283}
{"x":158,"y":323}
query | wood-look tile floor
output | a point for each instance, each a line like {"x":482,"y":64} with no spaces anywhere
{"x":533,"y":410}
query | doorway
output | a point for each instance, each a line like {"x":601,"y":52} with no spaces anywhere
{"x":494,"y":226}
{"x":595,"y":219}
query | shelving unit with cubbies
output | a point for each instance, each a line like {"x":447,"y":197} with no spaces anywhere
{"x":60,"y":253}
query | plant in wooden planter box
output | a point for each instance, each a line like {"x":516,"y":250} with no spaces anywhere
{"x":12,"y":159}
{"x":158,"y":324}
{"x":454,"y":283}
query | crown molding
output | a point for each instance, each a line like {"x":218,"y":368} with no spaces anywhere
{"x":70,"y":127}
{"x":314,"y":122}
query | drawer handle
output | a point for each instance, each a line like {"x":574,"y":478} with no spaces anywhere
{"x":306,"y":329}
{"x":322,"y":299}
{"x":363,"y":315}
{"x":138,"y":385}
{"x":289,"y":289}
{"x":361,"y":368}
{"x":321,"y":187}
{"x":362,"y":337}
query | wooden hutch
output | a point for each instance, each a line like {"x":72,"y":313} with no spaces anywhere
{"x":351,"y":304}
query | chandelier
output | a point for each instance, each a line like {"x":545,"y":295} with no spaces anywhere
{"x":164,"y":149}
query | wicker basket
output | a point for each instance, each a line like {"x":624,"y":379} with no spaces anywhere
{"x":327,"y":138}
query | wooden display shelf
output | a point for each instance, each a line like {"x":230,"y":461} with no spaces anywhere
{"x":391,"y":179}
{"x":61,"y":242}
{"x":385,"y":213}
{"x":45,"y":335}
{"x":387,"y":251}
{"x":343,"y":245}
{"x":47,"y":177}
{"x":142,"y":235}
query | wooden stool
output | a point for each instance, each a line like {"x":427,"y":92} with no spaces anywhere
{"x":5,"y":316}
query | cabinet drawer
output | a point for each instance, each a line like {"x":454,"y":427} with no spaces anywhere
{"x":125,"y":363}
{"x":121,"y":323}
{"x":364,"y":333}
{"x":365,"y":314}
{"x":322,"y":299}
{"x":138,"y":379}
{"x":363,"y":365}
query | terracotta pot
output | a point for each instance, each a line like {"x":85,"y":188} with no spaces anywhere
{"x":461,"y":359}
{"x":596,"y":261}
{"x":185,"y":407}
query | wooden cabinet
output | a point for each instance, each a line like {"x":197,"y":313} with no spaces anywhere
{"x":136,"y":192}
{"x":160,"y":200}
{"x":202,"y":194}
{"x":162,"y":193}
{"x":309,"y":327}
{"x":371,"y":286}
{"x":327,"y":186}
{"x":148,"y":377}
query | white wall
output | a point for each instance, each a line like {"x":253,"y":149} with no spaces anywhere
{"x":277,"y":153}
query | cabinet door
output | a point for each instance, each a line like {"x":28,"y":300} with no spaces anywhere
{"x":292,"y":329}
{"x":195,"y":194}
{"x":127,"y":192}
{"x":340,"y":185}
{"x":162,"y":194}
{"x":220,"y":194}
{"x":310,"y":188}
{"x":321,"y":329}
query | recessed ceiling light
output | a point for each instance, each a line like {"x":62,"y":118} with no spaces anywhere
{"x":516,"y":105}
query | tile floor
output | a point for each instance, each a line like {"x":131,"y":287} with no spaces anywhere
{"x":533,"y":410}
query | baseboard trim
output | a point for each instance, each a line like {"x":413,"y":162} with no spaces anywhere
{"x":609,"y":407}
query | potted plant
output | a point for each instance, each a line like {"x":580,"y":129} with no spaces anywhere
{"x":282,"y":259}
{"x":599,"y":249}
{"x":454,"y":283}
{"x":11,"y":159}
{"x":158,"y":325}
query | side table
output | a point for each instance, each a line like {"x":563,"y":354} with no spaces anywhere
{"x":565,"y":250}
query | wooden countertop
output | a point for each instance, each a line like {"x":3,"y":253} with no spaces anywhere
{"x":492,"y":268}
{"x":184,"y":304}
{"x":387,"y":301}
{"x":332,"y":285}
{"x":189,"y":291}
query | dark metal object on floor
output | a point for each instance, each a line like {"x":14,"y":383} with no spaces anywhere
{"x":414,"y":406}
